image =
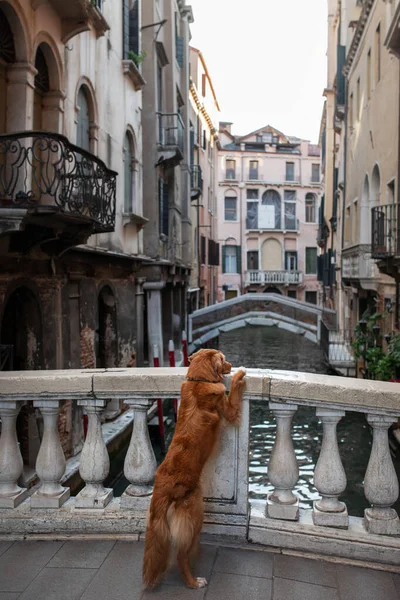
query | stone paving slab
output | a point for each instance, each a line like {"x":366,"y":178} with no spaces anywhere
{"x":108,"y":570}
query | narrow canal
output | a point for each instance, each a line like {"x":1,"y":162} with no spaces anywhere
{"x":272,"y":348}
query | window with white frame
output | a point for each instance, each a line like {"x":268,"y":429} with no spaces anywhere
{"x":230,"y":259}
{"x":289,"y":176}
{"x":315,"y":176}
{"x":253,"y":169}
{"x":311,"y":208}
{"x":252,"y":209}
{"x":230,"y":169}
{"x":230,"y":208}
{"x":290,"y":210}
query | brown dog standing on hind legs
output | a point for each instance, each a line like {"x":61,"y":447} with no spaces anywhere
{"x":176,"y":508}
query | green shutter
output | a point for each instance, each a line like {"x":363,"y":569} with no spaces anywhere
{"x":224,"y":259}
{"x":239,"y":259}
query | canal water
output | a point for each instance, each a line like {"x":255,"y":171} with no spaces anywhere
{"x":273,"y":348}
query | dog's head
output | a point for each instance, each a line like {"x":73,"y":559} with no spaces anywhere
{"x":208,"y":365}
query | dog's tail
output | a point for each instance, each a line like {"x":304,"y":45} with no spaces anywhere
{"x":157,"y":545}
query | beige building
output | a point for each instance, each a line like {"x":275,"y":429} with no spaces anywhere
{"x":204,"y":183}
{"x":361,"y":160}
{"x":166,"y":168}
{"x":268,"y":199}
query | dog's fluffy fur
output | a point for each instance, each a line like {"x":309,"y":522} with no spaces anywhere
{"x":176,"y":509}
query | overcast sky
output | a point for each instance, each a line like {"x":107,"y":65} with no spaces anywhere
{"x":267,"y":59}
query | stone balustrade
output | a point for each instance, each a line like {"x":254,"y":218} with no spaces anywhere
{"x":48,"y":508}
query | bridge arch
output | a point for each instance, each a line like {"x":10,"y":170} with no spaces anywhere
{"x":249,"y":310}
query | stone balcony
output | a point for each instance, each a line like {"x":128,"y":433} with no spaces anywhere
{"x":281,"y":277}
{"x":48,"y":511}
{"x":359,"y":267}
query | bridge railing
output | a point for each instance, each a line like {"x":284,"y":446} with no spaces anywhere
{"x":327,"y":528}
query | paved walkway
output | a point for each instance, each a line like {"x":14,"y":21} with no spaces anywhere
{"x":108,"y":570}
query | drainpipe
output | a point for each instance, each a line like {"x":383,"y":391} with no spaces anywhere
{"x":241,"y":224}
{"x":397,"y":278}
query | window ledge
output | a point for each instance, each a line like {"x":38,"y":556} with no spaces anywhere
{"x":131,"y":71}
{"x":132,"y":218}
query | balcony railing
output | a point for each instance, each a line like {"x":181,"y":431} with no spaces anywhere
{"x":196,"y":181}
{"x":385,"y":231}
{"x":275,"y":277}
{"x":45,"y":173}
{"x":358,"y":264}
{"x":171,"y":131}
{"x":325,"y":529}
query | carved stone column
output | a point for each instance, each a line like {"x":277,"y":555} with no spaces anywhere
{"x":50,"y":463}
{"x":381,"y":485}
{"x":95,"y":462}
{"x":283,"y":470}
{"x":329,"y":475}
{"x":11,"y":464}
{"x":140,"y":462}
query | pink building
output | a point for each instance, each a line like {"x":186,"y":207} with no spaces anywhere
{"x":268,"y":200}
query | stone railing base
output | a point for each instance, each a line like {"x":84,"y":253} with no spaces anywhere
{"x":24,"y":521}
{"x":354,"y":543}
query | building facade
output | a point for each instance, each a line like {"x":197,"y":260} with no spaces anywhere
{"x":71,"y":241}
{"x":204,"y":144}
{"x":268,"y":199}
{"x":360,"y":140}
{"x":166,"y":170}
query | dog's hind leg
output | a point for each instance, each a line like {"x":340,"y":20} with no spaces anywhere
{"x":185,"y":524}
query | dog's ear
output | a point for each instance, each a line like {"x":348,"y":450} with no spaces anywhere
{"x":218,"y":362}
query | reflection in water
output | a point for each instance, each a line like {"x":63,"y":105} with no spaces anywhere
{"x":273,"y":348}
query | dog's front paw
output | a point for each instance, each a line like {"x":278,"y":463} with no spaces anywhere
{"x":239,"y":375}
{"x":201,"y":582}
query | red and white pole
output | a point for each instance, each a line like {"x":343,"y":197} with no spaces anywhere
{"x":171,"y":354}
{"x":161,"y":428}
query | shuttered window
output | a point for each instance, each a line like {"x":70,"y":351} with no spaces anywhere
{"x":311,"y":261}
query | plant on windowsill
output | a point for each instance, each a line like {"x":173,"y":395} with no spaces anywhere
{"x":137,"y":58}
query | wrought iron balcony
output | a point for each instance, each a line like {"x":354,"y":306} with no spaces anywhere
{"x":78,"y":15}
{"x":385,"y":231}
{"x":171,"y":138}
{"x":274,"y":277}
{"x":52,"y":180}
{"x":196,"y":182}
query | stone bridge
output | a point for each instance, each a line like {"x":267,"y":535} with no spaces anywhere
{"x":270,"y":310}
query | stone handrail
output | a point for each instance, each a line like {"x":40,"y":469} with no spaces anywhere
{"x":327,"y":528}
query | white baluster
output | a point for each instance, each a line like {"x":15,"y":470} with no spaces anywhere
{"x":11,"y":464}
{"x":283,"y":470}
{"x":140,"y":462}
{"x":50,"y":462}
{"x":381,"y":485}
{"x":95,"y":462}
{"x":329,"y":475}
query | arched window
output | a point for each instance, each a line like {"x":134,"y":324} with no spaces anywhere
{"x":42,"y":87}
{"x":129,"y":175}
{"x":311,"y":208}
{"x":270,"y":216}
{"x":375,"y":187}
{"x":83,"y":128}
